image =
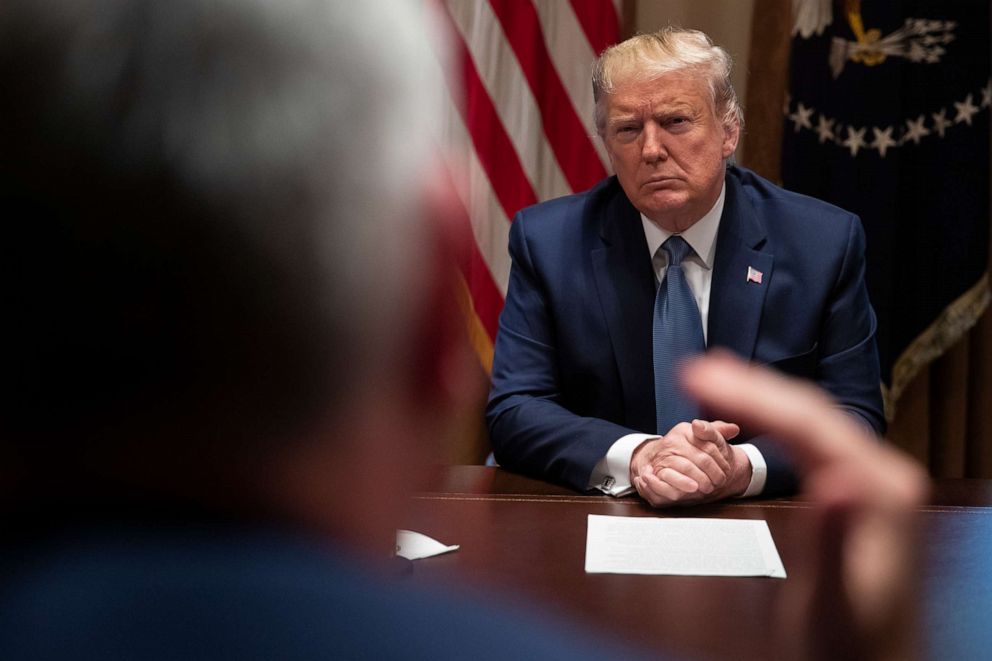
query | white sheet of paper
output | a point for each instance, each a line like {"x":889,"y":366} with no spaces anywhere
{"x":684,"y":547}
{"x":414,"y":545}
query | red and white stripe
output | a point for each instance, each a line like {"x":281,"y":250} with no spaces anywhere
{"x":518,"y":126}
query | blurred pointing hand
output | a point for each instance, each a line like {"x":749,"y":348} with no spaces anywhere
{"x":856,"y":595}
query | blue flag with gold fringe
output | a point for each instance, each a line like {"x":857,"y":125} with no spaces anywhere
{"x":888,"y":116}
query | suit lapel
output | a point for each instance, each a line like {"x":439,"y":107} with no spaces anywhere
{"x":736,"y":301}
{"x":626,"y":287}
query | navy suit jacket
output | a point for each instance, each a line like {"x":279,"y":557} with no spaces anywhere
{"x":573,"y":369}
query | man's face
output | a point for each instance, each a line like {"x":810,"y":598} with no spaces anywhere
{"x":668,"y":146}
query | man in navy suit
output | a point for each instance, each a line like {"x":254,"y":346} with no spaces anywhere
{"x":579,"y":375}
{"x":208,"y":430}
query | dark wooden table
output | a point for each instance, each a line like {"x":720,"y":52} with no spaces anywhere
{"x":527,"y":538}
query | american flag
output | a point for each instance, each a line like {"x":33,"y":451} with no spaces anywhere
{"x":518,"y":127}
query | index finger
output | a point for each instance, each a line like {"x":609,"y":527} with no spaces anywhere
{"x":776,"y":404}
{"x":805,"y":421}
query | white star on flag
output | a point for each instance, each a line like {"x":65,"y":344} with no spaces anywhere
{"x":965,"y":110}
{"x":915,"y":130}
{"x":801,"y":118}
{"x":855,"y":139}
{"x":753,"y":275}
{"x":825,"y":128}
{"x":940,"y":121}
{"x":883,"y":140}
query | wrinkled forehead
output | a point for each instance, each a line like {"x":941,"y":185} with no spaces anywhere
{"x":682,"y":88}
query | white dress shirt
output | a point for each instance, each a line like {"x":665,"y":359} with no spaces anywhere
{"x":612,"y":474}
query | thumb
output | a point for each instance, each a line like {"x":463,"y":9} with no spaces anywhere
{"x":728,"y":430}
{"x":714,"y":431}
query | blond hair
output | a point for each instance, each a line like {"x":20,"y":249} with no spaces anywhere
{"x":648,"y":56}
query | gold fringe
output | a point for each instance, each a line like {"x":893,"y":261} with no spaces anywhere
{"x":477,"y":335}
{"x":956,"y":319}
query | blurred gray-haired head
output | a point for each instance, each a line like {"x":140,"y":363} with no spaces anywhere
{"x":211,"y":214}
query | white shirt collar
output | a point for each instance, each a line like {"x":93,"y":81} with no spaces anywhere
{"x":701,"y":236}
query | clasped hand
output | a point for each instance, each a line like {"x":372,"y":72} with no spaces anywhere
{"x":692,"y":463}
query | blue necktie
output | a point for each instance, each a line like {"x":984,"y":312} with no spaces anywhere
{"x":677,"y":334}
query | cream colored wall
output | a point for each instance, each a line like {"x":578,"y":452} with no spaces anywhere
{"x":727,"y":22}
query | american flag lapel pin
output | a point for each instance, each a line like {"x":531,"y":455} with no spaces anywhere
{"x":753,"y":275}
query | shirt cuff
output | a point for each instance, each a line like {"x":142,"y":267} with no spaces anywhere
{"x":759,"y":470}
{"x":611,"y":475}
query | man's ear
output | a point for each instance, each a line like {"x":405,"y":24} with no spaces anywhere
{"x":731,"y":136}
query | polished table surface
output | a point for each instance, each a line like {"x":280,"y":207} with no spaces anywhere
{"x":527,"y":538}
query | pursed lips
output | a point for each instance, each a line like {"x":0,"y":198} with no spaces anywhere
{"x":659,"y":182}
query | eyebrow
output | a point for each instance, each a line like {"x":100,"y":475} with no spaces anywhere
{"x":675,"y":108}
{"x":621,"y":119}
